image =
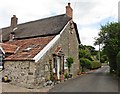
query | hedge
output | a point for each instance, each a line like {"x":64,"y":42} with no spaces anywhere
{"x":86,"y":63}
{"x":95,"y":65}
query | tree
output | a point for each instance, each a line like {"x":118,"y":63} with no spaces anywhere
{"x":69,"y":63}
{"x":92,"y":50}
{"x":88,"y":59}
{"x":109,"y":37}
{"x":85,"y":52}
{"x":103,"y":57}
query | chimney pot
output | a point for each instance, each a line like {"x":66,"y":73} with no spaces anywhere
{"x":68,"y":4}
{"x":14,"y":21}
{"x":69,"y":11}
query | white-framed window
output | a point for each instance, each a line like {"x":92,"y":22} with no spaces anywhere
{"x":65,"y":63}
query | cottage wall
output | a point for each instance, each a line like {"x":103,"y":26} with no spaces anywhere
{"x":21,"y":73}
{"x":69,"y":43}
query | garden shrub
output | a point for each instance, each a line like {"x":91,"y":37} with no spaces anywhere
{"x":95,"y":65}
{"x":70,"y":61}
{"x":85,"y":63}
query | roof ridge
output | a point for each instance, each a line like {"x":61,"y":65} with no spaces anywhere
{"x":42,"y":19}
{"x":36,"y":20}
{"x":41,"y":27}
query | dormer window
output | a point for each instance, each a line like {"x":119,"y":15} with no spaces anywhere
{"x":27,"y":49}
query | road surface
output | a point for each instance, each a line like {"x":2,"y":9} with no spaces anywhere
{"x":96,"y":81}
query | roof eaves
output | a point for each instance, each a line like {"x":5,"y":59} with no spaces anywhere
{"x":76,"y":29}
{"x":18,"y":59}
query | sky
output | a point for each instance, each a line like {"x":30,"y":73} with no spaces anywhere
{"x":88,"y":14}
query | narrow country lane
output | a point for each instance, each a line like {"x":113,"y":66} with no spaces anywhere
{"x":96,"y":81}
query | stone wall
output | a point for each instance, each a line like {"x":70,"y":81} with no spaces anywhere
{"x":21,"y":73}
{"x":70,"y":46}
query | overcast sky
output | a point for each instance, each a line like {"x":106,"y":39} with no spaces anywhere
{"x":88,"y":14}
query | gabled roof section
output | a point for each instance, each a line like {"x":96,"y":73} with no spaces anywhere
{"x":8,"y":48}
{"x":28,"y":48}
{"x":43,"y":27}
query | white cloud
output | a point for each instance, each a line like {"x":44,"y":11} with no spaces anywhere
{"x":87,"y":35}
{"x":86,"y":12}
{"x":94,"y":11}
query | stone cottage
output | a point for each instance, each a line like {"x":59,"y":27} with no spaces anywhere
{"x":35,"y":49}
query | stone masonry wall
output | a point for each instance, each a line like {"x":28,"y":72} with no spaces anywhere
{"x":70,"y":46}
{"x":20,"y":73}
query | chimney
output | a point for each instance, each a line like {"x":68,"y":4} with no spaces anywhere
{"x":14,"y":20}
{"x":69,"y":11}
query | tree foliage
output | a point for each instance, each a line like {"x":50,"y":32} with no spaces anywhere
{"x":103,"y":57}
{"x":109,"y":36}
{"x":87,"y":56}
{"x":85,"y":52}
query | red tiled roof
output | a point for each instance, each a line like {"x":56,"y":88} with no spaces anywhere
{"x":28,"y":48}
{"x":8,"y":48}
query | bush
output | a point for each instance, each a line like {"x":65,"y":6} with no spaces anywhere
{"x":69,"y":63}
{"x":85,"y":63}
{"x":66,"y":75}
{"x":95,"y":65}
{"x":118,"y":64}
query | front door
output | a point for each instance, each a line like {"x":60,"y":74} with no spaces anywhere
{"x":58,"y":67}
